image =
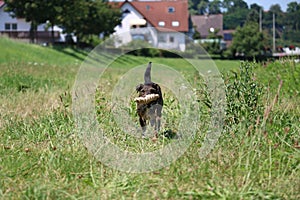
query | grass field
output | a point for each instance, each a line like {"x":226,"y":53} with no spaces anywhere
{"x":42,"y":157}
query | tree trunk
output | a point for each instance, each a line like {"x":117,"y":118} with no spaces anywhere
{"x":32,"y":33}
{"x":52,"y":33}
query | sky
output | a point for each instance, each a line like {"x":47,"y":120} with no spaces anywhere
{"x":266,"y":4}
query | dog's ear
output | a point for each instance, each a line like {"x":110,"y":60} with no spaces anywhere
{"x":139,"y":87}
{"x":156,"y":86}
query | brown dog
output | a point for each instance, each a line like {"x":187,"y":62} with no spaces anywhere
{"x":149,"y":102}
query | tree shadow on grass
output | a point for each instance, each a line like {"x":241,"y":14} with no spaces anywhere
{"x":78,"y":54}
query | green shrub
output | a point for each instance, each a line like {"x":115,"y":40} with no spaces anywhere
{"x":244,"y":96}
{"x":141,"y":48}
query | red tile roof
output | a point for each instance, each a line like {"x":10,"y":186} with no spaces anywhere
{"x":161,"y":11}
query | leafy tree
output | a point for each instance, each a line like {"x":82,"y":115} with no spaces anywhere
{"x":279,"y":23}
{"x":198,"y":6}
{"x":254,"y":13}
{"x":292,"y":19}
{"x":253,"y":16}
{"x":52,"y":11}
{"x":235,"y":19}
{"x":293,"y":16}
{"x":234,"y":5}
{"x":236,"y":13}
{"x":214,"y":47}
{"x":196,"y":35}
{"x":268,"y":17}
{"x":202,"y":7}
{"x":214,"y":7}
{"x":256,"y":7}
{"x":88,"y":17}
{"x":248,"y":41}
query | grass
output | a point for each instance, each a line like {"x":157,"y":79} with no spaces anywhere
{"x":18,"y":52}
{"x":41,"y":156}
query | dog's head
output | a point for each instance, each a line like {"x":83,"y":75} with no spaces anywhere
{"x":149,"y":88}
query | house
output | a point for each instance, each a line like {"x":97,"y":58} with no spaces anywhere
{"x":161,"y":23}
{"x":205,"y":24}
{"x":18,"y":28}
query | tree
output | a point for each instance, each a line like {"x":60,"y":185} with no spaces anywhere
{"x":293,"y":16}
{"x":235,"y":19}
{"x":197,"y":35}
{"x":254,"y":13}
{"x":32,"y":11}
{"x":202,"y":7}
{"x":88,"y":17}
{"x":53,"y":9}
{"x":248,"y":41}
{"x":279,"y":23}
{"x":198,"y":6}
{"x":253,"y":16}
{"x":214,"y":47}
{"x":256,"y":7}
{"x":236,"y":13}
{"x":82,"y":17}
{"x":268,"y":18}
{"x":214,"y":7}
{"x":234,"y":5}
{"x":292,"y":19}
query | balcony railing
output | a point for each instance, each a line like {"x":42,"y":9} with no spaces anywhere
{"x":139,"y":31}
{"x":40,"y":36}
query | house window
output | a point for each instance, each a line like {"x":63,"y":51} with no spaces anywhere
{"x":161,"y":23}
{"x":227,"y":36}
{"x":171,"y":39}
{"x":126,"y":11}
{"x":14,"y":26}
{"x":10,"y":26}
{"x":147,"y":7}
{"x":175,"y":23}
{"x":7,"y":26}
{"x":171,"y":9}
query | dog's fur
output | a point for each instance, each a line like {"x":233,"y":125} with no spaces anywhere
{"x":151,"y":110}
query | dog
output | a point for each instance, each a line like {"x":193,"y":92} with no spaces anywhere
{"x":149,"y":103}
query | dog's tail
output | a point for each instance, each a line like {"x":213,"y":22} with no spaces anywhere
{"x":147,"y":76}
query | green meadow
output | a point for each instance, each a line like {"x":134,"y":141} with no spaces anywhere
{"x":257,"y":155}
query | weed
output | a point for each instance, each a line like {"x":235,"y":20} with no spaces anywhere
{"x":244,"y":96}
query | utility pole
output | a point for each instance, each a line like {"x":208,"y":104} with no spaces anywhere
{"x":274,"y":47}
{"x":260,"y":20}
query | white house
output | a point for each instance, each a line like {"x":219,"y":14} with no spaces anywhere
{"x":19,"y":28}
{"x":9,"y":23}
{"x":162,"y":23}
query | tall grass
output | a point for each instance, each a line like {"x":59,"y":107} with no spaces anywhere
{"x":257,"y":156}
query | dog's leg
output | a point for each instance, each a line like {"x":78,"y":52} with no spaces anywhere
{"x":158,"y":117}
{"x":152,"y":115}
{"x":143,"y":125}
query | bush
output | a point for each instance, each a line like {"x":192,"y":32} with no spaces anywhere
{"x":141,"y":48}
